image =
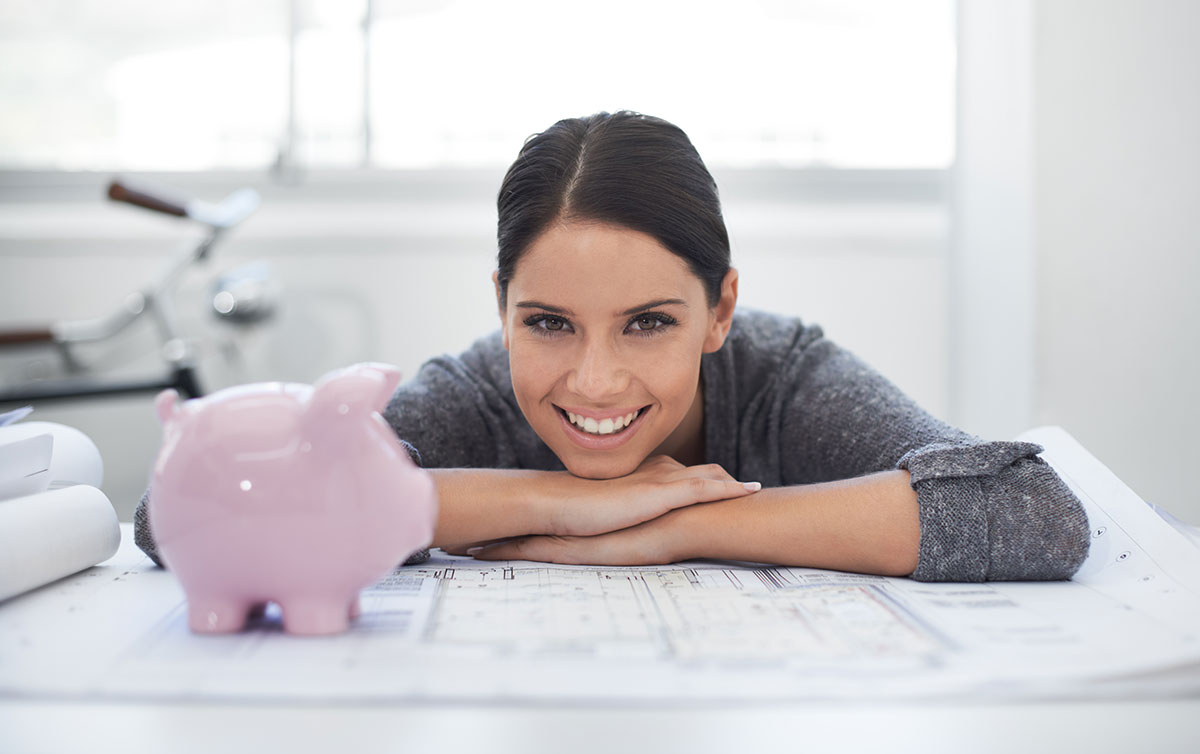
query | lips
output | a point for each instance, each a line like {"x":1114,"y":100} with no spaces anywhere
{"x":607,"y":435}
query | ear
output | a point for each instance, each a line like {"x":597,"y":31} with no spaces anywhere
{"x":166,"y":404}
{"x":391,"y":378}
{"x":500,"y":308}
{"x":358,"y":388}
{"x":722,"y":314}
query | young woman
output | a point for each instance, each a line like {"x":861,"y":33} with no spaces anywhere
{"x":627,"y":413}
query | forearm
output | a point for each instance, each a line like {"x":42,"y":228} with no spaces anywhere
{"x":867,"y":525}
{"x":475,"y":505}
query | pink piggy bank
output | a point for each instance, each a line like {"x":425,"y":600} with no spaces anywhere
{"x":289,"y":494}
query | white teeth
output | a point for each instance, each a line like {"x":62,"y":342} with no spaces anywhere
{"x":604,"y":426}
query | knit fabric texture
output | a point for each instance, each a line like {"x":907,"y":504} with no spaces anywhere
{"x":784,"y":405}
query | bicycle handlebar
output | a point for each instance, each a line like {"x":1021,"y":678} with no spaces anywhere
{"x":28,"y":335}
{"x":228,"y":213}
{"x":119,"y":192}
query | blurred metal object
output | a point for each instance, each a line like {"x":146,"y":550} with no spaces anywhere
{"x":245,"y":295}
{"x":155,"y":300}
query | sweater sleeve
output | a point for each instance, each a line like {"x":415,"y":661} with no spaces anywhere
{"x":987,"y":510}
{"x":994,"y":512}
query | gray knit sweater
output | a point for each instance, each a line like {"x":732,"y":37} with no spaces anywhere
{"x":783,"y":405}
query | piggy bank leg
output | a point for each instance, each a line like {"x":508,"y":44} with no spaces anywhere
{"x":216,"y":615}
{"x":355,"y":607}
{"x":314,"y":616}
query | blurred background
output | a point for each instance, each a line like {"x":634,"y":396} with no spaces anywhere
{"x":993,"y":202}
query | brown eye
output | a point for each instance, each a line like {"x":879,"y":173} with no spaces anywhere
{"x":650,"y":323}
{"x":547,"y":325}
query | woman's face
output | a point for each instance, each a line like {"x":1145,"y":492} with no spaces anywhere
{"x":605,"y":328}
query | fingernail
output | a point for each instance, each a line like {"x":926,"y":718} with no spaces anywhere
{"x":472,"y":550}
{"x":753,"y":486}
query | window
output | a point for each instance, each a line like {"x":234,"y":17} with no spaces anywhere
{"x":203,"y":84}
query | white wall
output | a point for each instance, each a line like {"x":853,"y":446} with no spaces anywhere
{"x":991,"y":267}
{"x":1117,"y":212}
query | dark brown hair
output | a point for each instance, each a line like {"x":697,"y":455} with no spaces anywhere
{"x":624,"y":168}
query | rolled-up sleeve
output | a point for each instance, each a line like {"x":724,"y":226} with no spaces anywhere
{"x":994,"y":511}
{"x":987,"y":510}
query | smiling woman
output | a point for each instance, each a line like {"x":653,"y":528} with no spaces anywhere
{"x":627,"y":413}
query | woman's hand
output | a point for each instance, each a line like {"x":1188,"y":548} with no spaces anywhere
{"x":586,"y":507}
{"x":576,"y":507}
{"x":654,"y":542}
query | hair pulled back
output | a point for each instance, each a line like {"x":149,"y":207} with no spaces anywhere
{"x":626,"y":169}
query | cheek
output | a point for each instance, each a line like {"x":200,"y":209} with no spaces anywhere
{"x":671,"y":371}
{"x":534,"y":372}
{"x":676,"y":381}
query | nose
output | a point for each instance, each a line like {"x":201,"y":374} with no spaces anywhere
{"x":599,"y":373}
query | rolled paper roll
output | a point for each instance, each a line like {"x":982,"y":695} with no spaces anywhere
{"x":76,"y":459}
{"x":53,"y":534}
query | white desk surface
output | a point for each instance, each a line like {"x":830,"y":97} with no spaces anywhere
{"x":50,"y":724}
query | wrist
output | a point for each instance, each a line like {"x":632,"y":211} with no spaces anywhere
{"x":556,"y":501}
{"x":545,"y":503}
{"x":680,"y":533}
{"x":480,"y":504}
{"x":537,"y":500}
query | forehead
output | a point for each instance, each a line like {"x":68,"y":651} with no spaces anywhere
{"x":589,"y":260}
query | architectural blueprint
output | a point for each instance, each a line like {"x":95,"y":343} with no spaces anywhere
{"x":459,"y":629}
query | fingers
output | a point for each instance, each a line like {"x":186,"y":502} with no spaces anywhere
{"x":540,"y":548}
{"x":713,"y":471}
{"x":550,"y":549}
{"x":462,"y":547}
{"x":701,"y":490}
{"x":625,"y":548}
{"x":696,"y":478}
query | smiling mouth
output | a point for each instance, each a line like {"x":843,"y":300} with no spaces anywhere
{"x":604,"y":427}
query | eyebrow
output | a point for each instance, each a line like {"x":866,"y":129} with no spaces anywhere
{"x":634,"y":310}
{"x":656,"y":304}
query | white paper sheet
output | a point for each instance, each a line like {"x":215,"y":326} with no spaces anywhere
{"x":456,"y":629}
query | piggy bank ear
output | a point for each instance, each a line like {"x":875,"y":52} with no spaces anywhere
{"x":361,"y":388}
{"x":167,"y":405}
{"x":391,"y":378}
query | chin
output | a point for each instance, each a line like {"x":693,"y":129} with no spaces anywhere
{"x":601,"y":468}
